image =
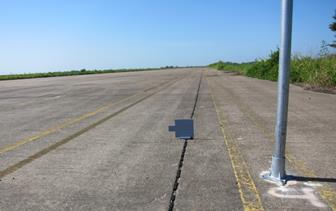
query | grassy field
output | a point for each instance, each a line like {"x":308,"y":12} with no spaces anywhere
{"x":73,"y":72}
{"x":314,"y":72}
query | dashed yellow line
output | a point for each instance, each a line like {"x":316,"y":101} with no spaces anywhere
{"x":325,"y":191}
{"x":70,"y":122}
{"x":249,"y":194}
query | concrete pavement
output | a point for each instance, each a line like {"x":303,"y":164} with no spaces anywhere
{"x":100,"y":142}
{"x":247,"y":108}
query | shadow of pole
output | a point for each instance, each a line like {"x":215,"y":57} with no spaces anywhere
{"x":309,"y":179}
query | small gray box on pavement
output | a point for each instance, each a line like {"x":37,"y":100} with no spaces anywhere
{"x":183,"y":128}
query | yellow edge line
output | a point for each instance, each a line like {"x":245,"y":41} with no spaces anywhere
{"x":249,"y":194}
{"x":325,"y":191}
{"x":56,"y":128}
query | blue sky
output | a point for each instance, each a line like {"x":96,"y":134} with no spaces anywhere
{"x":58,"y":35}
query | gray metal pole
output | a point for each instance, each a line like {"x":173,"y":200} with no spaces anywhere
{"x":278,"y":172}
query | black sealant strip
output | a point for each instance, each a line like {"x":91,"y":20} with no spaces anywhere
{"x":180,"y":165}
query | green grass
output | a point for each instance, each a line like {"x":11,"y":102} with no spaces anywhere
{"x":316,"y":72}
{"x":73,"y":72}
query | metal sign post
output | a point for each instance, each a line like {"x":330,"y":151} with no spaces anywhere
{"x":277,"y":172}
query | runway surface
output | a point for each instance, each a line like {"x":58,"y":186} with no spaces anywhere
{"x":101,"y":142}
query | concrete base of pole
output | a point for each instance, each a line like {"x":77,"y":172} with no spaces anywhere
{"x":277,"y":173}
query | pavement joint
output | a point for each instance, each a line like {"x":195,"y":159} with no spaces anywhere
{"x":184,"y":149}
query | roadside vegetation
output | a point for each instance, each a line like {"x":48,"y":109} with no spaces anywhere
{"x":73,"y":72}
{"x":232,"y":66}
{"x":315,"y":72}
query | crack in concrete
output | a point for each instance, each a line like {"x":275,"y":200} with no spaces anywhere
{"x":184,"y":149}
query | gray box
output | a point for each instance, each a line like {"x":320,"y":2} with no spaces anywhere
{"x":183,"y":128}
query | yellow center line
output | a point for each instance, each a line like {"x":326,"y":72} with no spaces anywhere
{"x":70,"y":122}
{"x":249,"y":194}
{"x":325,"y":191}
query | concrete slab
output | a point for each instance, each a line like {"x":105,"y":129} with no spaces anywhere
{"x":128,"y":162}
{"x":207,"y":181}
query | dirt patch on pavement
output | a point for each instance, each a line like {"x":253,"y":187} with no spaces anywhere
{"x":330,"y":90}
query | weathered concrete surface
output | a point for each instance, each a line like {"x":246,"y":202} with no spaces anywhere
{"x":207,"y":181}
{"x":31,"y":105}
{"x":249,"y":106}
{"x":129,"y":161}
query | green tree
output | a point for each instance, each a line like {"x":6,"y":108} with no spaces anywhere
{"x":332,"y":27}
{"x":324,"y":50}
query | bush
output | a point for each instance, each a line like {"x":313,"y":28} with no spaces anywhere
{"x":231,"y":66}
{"x":266,"y":69}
